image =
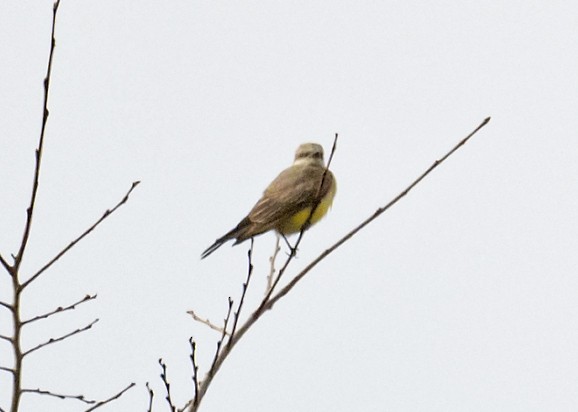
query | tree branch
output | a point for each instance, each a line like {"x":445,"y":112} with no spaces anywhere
{"x":59,"y":339}
{"x":151,"y":396}
{"x":269,"y":303}
{"x":14,"y":269}
{"x":7,"y":306}
{"x":272,"y":259}
{"x":45,"y":114}
{"x":371,"y":218}
{"x":165,"y":380}
{"x":106,"y":214}
{"x":245,"y":287}
{"x":271,"y":299}
{"x":96,"y":404}
{"x":6,"y":265}
{"x":206,"y":322}
{"x":220,"y":342}
{"x":112,"y":398}
{"x":60,"y":309}
{"x":39,"y":391}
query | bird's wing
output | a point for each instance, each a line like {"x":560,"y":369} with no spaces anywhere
{"x":290,"y":193}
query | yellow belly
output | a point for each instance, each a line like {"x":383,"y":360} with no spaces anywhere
{"x":296,"y":222}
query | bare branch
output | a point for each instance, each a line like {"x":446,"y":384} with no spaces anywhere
{"x":7,"y":306}
{"x":112,"y":398}
{"x":96,"y":404}
{"x":245,"y":287}
{"x":45,"y":114}
{"x":220,"y":342}
{"x":9,"y":370}
{"x":60,"y":309}
{"x":187,"y":406}
{"x":80,"y":398}
{"x":151,"y":396}
{"x":217,"y":361}
{"x":6,"y":265}
{"x":272,"y":259}
{"x":6,"y":338}
{"x":206,"y":322}
{"x":14,"y":269}
{"x":167,"y":385}
{"x":195,"y":369}
{"x":106,"y":214}
{"x":59,"y":339}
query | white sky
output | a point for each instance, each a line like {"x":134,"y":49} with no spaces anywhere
{"x":462,"y":297}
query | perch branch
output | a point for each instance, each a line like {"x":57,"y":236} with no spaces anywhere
{"x":270,"y":299}
{"x":195,"y":369}
{"x":269,"y":304}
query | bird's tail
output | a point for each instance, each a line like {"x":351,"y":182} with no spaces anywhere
{"x":240,"y":233}
{"x":218,"y":243}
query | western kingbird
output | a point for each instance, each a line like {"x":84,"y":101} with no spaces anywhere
{"x":287,"y":202}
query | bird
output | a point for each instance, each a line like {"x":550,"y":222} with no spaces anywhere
{"x":287,"y":203}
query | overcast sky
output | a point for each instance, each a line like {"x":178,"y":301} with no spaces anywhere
{"x":464,"y":296}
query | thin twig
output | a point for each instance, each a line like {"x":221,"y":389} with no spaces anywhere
{"x":9,"y":370}
{"x":7,"y":306}
{"x":188,"y":405}
{"x":6,"y":265}
{"x":59,"y":339}
{"x":106,"y":214}
{"x":80,"y":398}
{"x":206,"y":322}
{"x":45,"y":114}
{"x":60,"y":309}
{"x":195,"y":369}
{"x":217,"y":361}
{"x":272,"y":260}
{"x":165,"y":380}
{"x":112,"y":398}
{"x":151,"y":396}
{"x":6,"y":338}
{"x":96,"y":404}
{"x":220,"y":342}
{"x":237,"y":313}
